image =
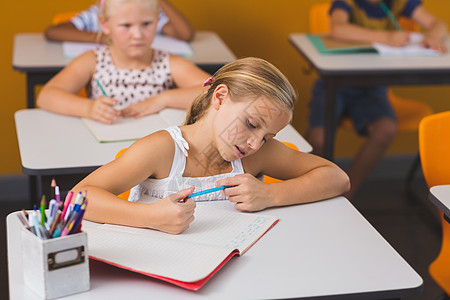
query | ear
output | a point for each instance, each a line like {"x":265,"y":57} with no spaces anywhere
{"x":104,"y":25}
{"x":221,"y":93}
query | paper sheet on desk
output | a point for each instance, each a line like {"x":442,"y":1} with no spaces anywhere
{"x":413,"y":48}
{"x":161,"y":42}
{"x":128,"y":129}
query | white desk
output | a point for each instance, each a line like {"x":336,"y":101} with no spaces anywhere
{"x":325,"y":250}
{"x":55,"y":145}
{"x":40,"y":59}
{"x":365,"y":69}
{"x":440,"y":196}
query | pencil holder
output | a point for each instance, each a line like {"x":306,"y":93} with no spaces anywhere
{"x":55,"y":267}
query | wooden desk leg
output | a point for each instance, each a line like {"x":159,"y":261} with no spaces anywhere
{"x":330,"y":119}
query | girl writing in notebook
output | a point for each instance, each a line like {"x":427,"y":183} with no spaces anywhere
{"x":227,"y":140}
{"x":125,"y":78}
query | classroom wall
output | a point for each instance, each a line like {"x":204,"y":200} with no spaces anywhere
{"x":249,"y":28}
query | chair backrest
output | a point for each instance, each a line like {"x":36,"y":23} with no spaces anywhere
{"x":268,"y":179}
{"x":319,"y":20}
{"x":125,"y":194}
{"x":434,"y":148}
{"x":63,"y":17}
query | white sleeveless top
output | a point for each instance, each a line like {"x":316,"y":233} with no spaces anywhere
{"x":161,"y":188}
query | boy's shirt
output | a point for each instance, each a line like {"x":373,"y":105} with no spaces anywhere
{"x":371,"y":15}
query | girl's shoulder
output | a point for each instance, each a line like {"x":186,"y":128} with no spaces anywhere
{"x":155,"y":150}
{"x":85,"y":62}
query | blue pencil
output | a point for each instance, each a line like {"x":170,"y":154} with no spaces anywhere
{"x":212,"y":190}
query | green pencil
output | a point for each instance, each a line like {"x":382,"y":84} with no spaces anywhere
{"x":42,"y":209}
{"x":101,"y":88}
{"x":390,"y":16}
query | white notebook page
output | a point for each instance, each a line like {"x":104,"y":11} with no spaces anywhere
{"x":213,"y":235}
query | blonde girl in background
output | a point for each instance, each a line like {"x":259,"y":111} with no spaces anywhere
{"x":228,"y":139}
{"x":125,"y":78}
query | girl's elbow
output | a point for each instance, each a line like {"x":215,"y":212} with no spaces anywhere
{"x":345,"y":183}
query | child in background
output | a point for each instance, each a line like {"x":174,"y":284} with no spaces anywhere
{"x":85,"y":26}
{"x":227,"y":140}
{"x":368,"y":107}
{"x":126,"y":78}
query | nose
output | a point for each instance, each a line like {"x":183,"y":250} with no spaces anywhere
{"x":137,"y":32}
{"x":255,"y":141}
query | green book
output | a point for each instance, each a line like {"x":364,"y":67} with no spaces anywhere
{"x":327,"y":45}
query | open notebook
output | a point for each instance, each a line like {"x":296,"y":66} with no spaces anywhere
{"x":128,"y":129}
{"x":189,"y":259}
{"x":161,"y":42}
{"x":327,"y":45}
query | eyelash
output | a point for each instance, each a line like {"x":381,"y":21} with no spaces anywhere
{"x":254,"y":127}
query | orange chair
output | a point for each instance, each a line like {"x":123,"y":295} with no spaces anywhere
{"x":434,"y":148}
{"x":409,"y":112}
{"x":268,"y":179}
{"x":63,"y":17}
{"x":125,"y":194}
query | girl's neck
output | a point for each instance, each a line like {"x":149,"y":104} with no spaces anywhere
{"x":204,"y":158}
{"x":123,"y":61}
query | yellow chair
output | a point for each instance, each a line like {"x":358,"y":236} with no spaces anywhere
{"x":267,"y":179}
{"x":434,"y":147}
{"x":409,"y":112}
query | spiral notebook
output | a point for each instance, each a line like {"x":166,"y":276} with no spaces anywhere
{"x":187,"y":260}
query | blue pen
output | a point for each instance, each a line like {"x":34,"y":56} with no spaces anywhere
{"x":212,"y":190}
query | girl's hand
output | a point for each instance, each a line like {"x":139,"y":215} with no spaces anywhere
{"x":102,"y":109}
{"x":249,"y":193}
{"x":175,"y":212}
{"x":397,"y":38}
{"x":433,"y":43}
{"x":143,"y":108}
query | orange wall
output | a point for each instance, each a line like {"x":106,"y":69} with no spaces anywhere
{"x":249,"y":28}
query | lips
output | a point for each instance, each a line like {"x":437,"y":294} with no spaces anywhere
{"x":240,"y":152}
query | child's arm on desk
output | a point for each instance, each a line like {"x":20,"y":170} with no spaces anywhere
{"x":178,"y":25}
{"x":66,"y":31}
{"x":59,"y":94}
{"x":307,"y":178}
{"x":149,"y":156}
{"x":436,"y":29}
{"x":341,"y":28}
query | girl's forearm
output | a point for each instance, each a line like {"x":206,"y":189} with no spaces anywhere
{"x":62,"y":102}
{"x":105,"y":207}
{"x":318,"y":184}
{"x":438,"y":30}
{"x":347,"y":31}
{"x":180,"y":98}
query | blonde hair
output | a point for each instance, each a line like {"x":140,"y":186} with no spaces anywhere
{"x":107,"y":7}
{"x":246,"y":77}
